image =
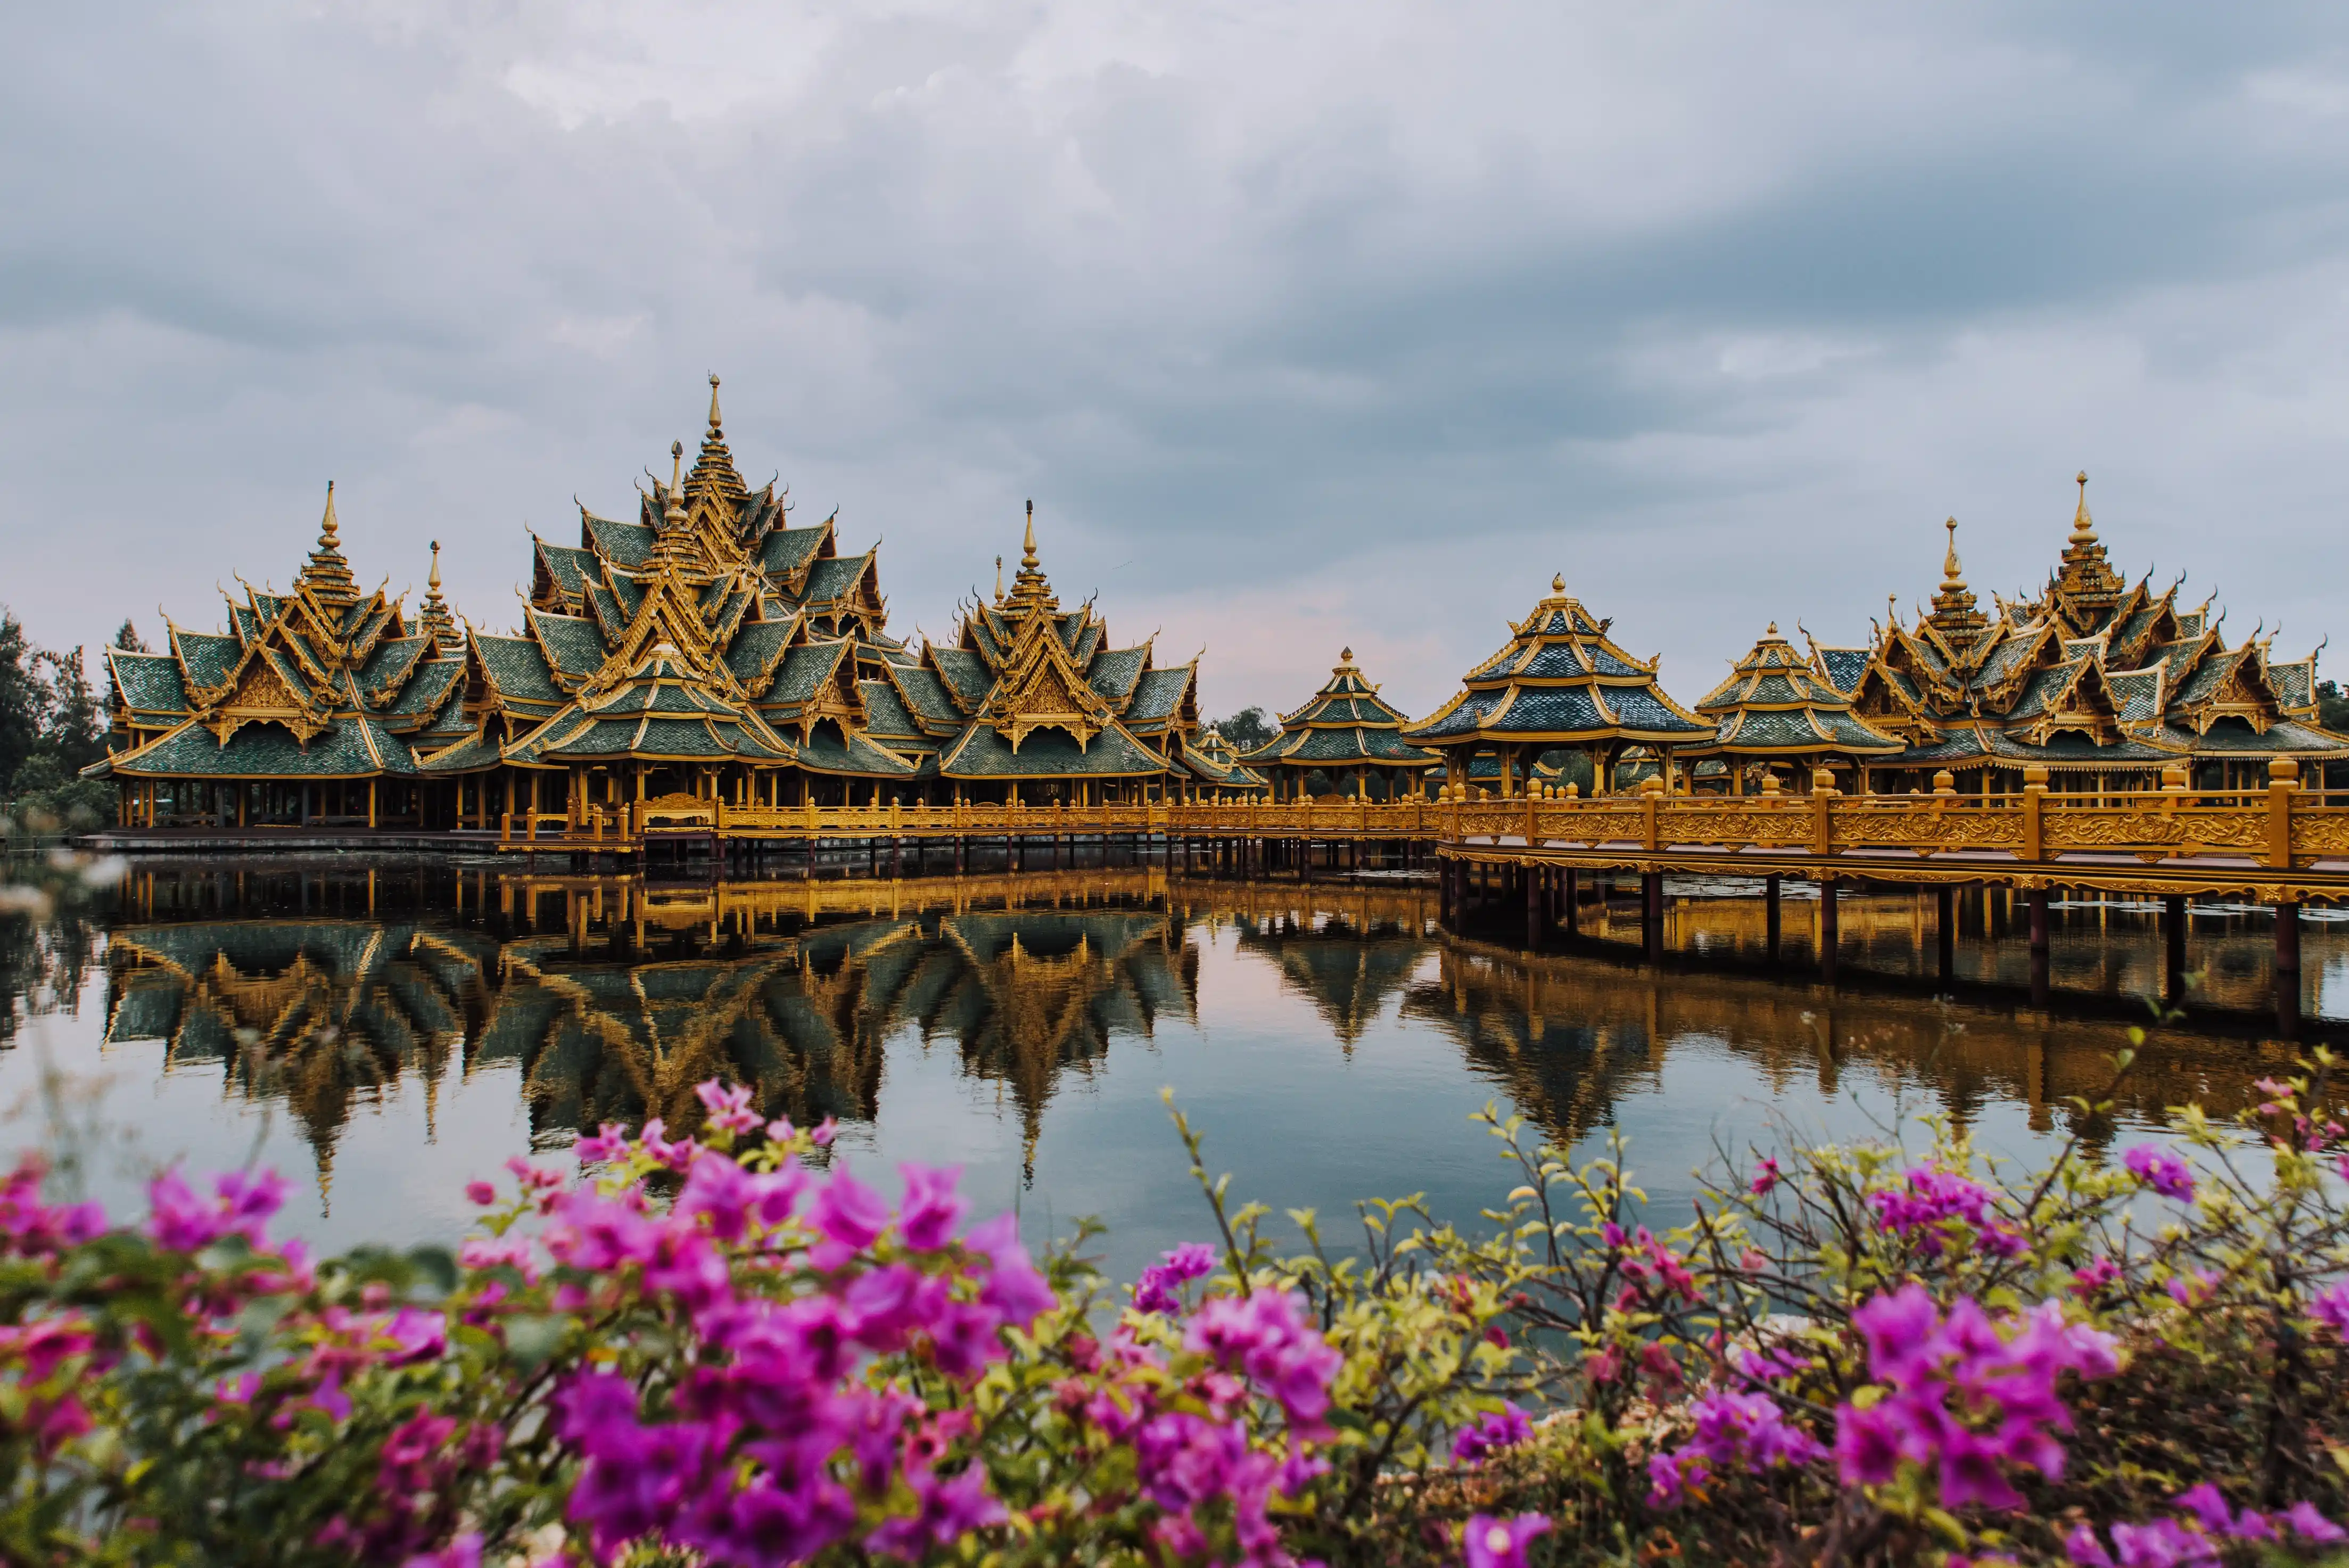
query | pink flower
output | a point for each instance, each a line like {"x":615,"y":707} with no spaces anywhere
{"x":1016,"y":1292}
{"x":926,"y":1219}
{"x":1158,"y":1289}
{"x":850,"y":1215}
{"x":1503,"y":1429}
{"x":728,"y":1110}
{"x":480,"y":1193}
{"x":1765,"y":1175}
{"x":2163,"y":1172}
{"x":611,"y":1143}
{"x":2332,"y":1308}
{"x":1261,"y":1335}
{"x":2308,"y":1524}
{"x":1491,"y":1543}
{"x":945,"y":1511}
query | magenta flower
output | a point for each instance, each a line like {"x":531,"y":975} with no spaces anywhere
{"x":1765,"y":1175}
{"x":2163,"y":1172}
{"x":728,"y":1109}
{"x":850,"y":1215}
{"x":1158,"y":1289}
{"x":2331,"y":1308}
{"x":1261,"y":1335}
{"x":926,"y":1219}
{"x":480,"y":1193}
{"x":1491,"y":1543}
{"x":610,"y":1143}
{"x":1013,"y":1289}
{"x":1494,"y":1431}
{"x":946,"y":1511}
{"x":2307,"y":1523}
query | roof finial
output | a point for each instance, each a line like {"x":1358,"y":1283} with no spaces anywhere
{"x":1557,"y":583}
{"x":327,"y":525}
{"x":1949,"y":568}
{"x":675,"y":512}
{"x":1346,"y":656}
{"x":433,"y":581}
{"x":1773,"y":631}
{"x":2083,"y":527}
{"x":713,"y":400}
{"x":1028,"y":557}
{"x":998,"y":580}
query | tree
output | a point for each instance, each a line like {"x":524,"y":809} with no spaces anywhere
{"x":2332,"y":707}
{"x":25,"y":701}
{"x":128,"y":640}
{"x":74,"y":735}
{"x":1247,"y":729}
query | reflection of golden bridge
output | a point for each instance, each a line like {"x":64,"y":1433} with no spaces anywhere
{"x":611,"y":998}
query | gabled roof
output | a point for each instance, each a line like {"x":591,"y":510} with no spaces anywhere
{"x":148,"y":683}
{"x":1776,"y":702}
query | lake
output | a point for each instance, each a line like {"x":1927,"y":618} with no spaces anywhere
{"x":384,"y":1032}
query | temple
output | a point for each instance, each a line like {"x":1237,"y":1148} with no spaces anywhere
{"x":2103,"y":682}
{"x":1559,"y":685}
{"x":1348,"y":737}
{"x":706,"y":651}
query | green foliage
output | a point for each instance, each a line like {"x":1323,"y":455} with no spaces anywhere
{"x":1248,"y":729}
{"x":51,"y":727}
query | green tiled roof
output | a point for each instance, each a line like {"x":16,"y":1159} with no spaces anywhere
{"x":428,"y":687}
{"x":981,"y":753}
{"x":390,"y":667}
{"x":805,"y":668}
{"x":1115,"y":671}
{"x":822,"y":754}
{"x":756,"y":651}
{"x":2294,"y":683}
{"x":571,"y":569}
{"x":834,"y":577}
{"x":517,"y":668}
{"x":474,"y":750}
{"x":627,"y":542}
{"x":886,"y":715}
{"x":925,"y":696}
{"x":1158,"y":694}
{"x":1325,"y":746}
{"x":149,"y":682}
{"x":786,"y":550}
{"x":965,"y":673}
{"x":573,"y":644}
{"x":2236,"y":737}
{"x":349,"y":747}
{"x":206,"y":658}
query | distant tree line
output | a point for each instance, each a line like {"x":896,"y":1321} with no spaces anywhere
{"x":50,"y":729}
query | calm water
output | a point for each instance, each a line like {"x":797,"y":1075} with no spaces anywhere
{"x":386,"y":1034}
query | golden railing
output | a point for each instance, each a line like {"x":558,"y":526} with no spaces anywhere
{"x":2284,"y":826}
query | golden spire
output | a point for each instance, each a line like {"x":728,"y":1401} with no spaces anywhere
{"x":1031,"y":586}
{"x":326,"y":574}
{"x":1773,"y":631}
{"x":1345,"y":655}
{"x":676,"y":512}
{"x":714,"y":421}
{"x":435,"y":620}
{"x":2083,"y":527}
{"x":1956,"y":614}
{"x":1557,"y":583}
{"x":1951,"y":571}
{"x":998,"y":580}
{"x":1028,"y":550}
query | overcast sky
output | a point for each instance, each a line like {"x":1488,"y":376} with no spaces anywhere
{"x":1304,"y":325}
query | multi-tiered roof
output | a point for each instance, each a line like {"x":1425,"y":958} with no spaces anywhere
{"x":1345,"y":727}
{"x":709,"y":632}
{"x":1029,"y":690}
{"x":2092,"y":674}
{"x":324,"y":681}
{"x":1560,"y":682}
{"x":1777,"y":704}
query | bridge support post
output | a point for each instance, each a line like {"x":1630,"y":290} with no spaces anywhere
{"x":2287,"y":969}
{"x":1770,"y":916}
{"x":2173,"y":942}
{"x":1945,"y":932}
{"x":1570,"y":902}
{"x":2036,"y":901}
{"x":1651,"y":913}
{"x":1536,"y":877}
{"x":1829,"y":931}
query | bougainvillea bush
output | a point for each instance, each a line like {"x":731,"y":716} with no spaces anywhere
{"x":727,"y":1349}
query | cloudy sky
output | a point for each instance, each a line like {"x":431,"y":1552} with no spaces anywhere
{"x":1304,"y":325}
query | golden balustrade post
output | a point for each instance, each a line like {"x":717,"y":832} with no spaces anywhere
{"x":2283,"y":780}
{"x":2034,"y":800}
{"x":1823,"y":796}
{"x":1651,"y":797}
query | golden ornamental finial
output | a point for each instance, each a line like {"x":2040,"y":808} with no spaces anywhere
{"x":998,"y":580}
{"x":713,"y":399}
{"x":327,"y":525}
{"x":1773,"y":631}
{"x":1949,"y":568}
{"x":433,"y":581}
{"x":2083,"y":527}
{"x":1028,"y":555}
{"x":1557,"y":583}
{"x":1346,"y":656}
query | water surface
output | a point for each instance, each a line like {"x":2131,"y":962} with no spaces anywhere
{"x":385,"y":1033}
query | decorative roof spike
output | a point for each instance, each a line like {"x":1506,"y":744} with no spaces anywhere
{"x":2083,"y":527}
{"x":1773,"y":631}
{"x":715,"y":423}
{"x":714,"y":479}
{"x":1346,"y":656}
{"x":1952,"y":572}
{"x":1028,"y":552}
{"x":1557,"y":583}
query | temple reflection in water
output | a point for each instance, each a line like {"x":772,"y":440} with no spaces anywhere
{"x":608,"y":999}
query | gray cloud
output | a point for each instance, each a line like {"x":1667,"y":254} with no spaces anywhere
{"x":1303,"y":325}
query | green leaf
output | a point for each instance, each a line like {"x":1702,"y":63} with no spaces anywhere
{"x":532,"y":1341}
